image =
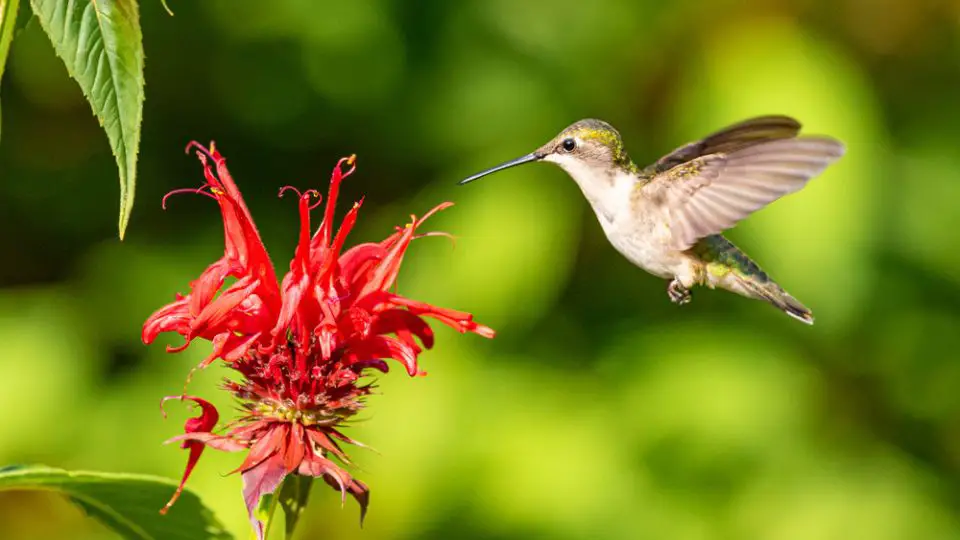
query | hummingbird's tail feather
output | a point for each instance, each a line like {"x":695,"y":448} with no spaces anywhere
{"x":727,"y":267}
{"x":773,"y":293}
{"x":792,"y":307}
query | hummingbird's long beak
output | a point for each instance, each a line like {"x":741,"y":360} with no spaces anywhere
{"x":533,"y":156}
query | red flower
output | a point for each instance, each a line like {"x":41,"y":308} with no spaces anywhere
{"x":300,"y":345}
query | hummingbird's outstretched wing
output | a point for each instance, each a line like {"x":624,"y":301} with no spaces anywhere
{"x":728,"y":140}
{"x":711,"y":193}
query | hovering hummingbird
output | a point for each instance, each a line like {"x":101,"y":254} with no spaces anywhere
{"x":667,"y":218}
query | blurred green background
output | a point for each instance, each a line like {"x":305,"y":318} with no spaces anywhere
{"x":601,"y":410}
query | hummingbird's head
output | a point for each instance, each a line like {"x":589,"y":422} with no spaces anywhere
{"x":591,"y":144}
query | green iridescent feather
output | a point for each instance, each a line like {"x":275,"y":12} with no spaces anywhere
{"x":721,"y":257}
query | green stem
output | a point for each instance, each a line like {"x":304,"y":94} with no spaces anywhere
{"x":268,"y":519}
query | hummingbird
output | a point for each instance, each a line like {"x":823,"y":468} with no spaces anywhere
{"x":668,"y":217}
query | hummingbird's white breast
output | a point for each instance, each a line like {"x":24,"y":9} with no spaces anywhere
{"x":608,"y":191}
{"x":636,"y":228}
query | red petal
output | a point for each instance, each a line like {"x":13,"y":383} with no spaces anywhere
{"x":356,"y":323}
{"x":296,"y":448}
{"x":173,"y":317}
{"x":361,"y":493}
{"x":217,"y":442}
{"x":346,"y":226}
{"x":377,"y":364}
{"x":316,"y":466}
{"x":219,"y":311}
{"x":327,"y":339}
{"x":301,"y":257}
{"x":242,"y":240}
{"x":330,"y":257}
{"x":357,"y":261}
{"x":458,"y":320}
{"x":340,"y":436}
{"x":335,"y":478}
{"x":205,"y":287}
{"x":295,"y":285}
{"x":322,"y":440}
{"x":271,"y":443}
{"x":250,"y":248}
{"x":440,"y":207}
{"x":203,"y":423}
{"x":386,"y":272}
{"x":296,"y":281}
{"x":397,"y":321}
{"x":230,"y":347}
{"x":259,"y":481}
{"x":322,"y":238}
{"x":383,"y":347}
{"x":338,"y":479}
{"x":252,"y":431}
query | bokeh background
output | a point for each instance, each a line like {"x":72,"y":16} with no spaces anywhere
{"x":601,"y":410}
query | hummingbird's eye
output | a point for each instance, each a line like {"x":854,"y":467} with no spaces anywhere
{"x":568,"y":145}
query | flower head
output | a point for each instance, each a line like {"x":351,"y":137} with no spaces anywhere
{"x":301,"y":345}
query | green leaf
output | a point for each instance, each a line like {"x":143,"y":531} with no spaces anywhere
{"x":294,"y":494}
{"x":8,"y":21}
{"x":101,"y":45}
{"x":127,"y":503}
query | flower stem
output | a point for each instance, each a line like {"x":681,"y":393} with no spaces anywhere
{"x":271,"y":510}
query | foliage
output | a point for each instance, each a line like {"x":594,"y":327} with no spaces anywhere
{"x":100,"y":44}
{"x":8,"y":22}
{"x":127,"y":503}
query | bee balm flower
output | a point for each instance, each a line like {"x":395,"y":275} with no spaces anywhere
{"x":301,"y":344}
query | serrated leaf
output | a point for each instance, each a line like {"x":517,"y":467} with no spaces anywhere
{"x":294,"y":494}
{"x":8,"y":21}
{"x":100,"y":43}
{"x":127,"y":503}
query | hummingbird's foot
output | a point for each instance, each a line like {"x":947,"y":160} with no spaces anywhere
{"x":678,"y":294}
